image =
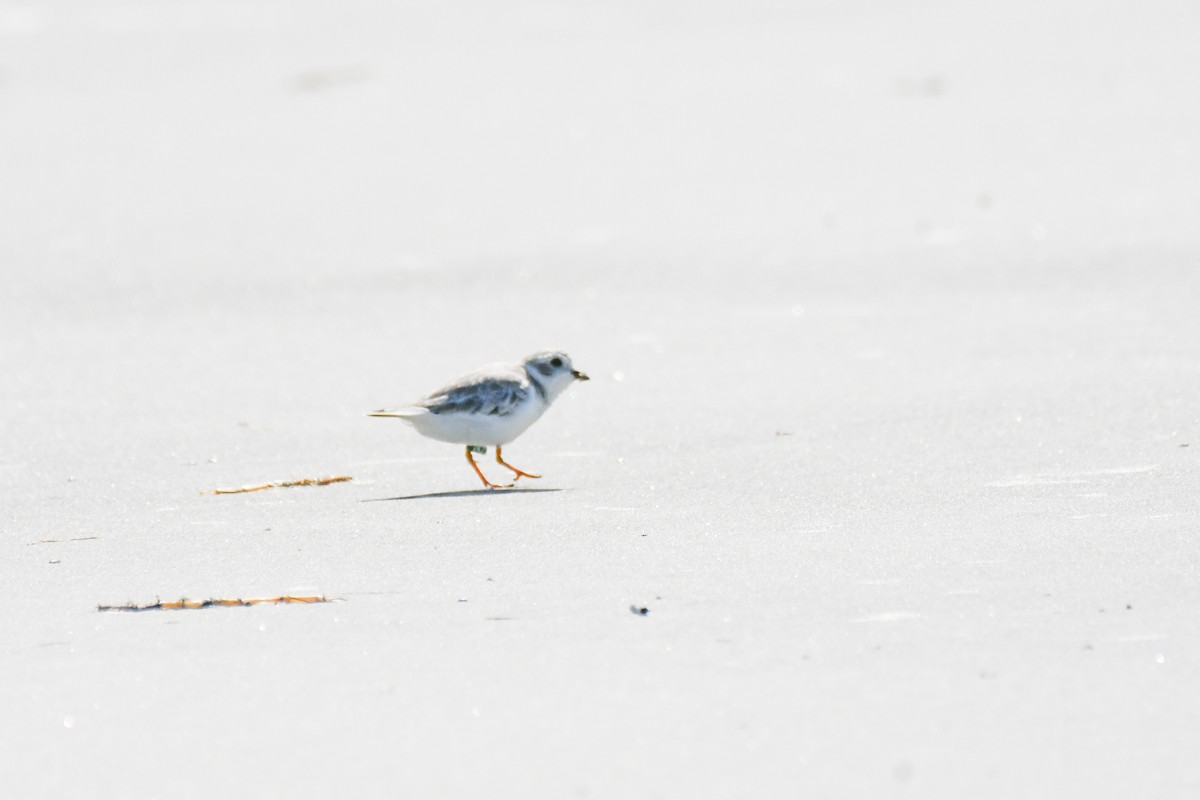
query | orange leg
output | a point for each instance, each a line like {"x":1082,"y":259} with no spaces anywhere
{"x":486,"y":482}
{"x":520,"y":472}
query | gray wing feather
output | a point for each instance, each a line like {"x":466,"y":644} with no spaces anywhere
{"x":477,"y":395}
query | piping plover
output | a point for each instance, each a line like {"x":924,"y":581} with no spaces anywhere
{"x":491,"y":406}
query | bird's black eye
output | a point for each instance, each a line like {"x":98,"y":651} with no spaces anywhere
{"x":556,"y":362}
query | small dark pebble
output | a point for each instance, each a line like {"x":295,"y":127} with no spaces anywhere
{"x":1129,"y":607}
{"x":641,"y":611}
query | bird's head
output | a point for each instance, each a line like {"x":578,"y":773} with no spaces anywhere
{"x":553,"y":370}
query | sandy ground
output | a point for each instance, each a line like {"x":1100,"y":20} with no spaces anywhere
{"x":891,"y":310}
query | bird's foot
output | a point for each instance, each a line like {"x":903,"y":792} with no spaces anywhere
{"x":519,"y":473}
{"x":482,"y":477}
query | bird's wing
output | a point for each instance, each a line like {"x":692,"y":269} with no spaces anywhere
{"x":479,"y":393}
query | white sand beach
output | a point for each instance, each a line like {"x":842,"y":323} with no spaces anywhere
{"x":890,"y":311}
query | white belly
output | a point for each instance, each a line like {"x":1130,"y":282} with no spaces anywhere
{"x":478,"y":429}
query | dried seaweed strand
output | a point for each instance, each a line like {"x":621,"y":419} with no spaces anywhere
{"x":184,"y":603}
{"x":60,"y":541}
{"x":258,"y":487}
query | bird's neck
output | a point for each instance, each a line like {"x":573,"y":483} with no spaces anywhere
{"x":539,"y":387}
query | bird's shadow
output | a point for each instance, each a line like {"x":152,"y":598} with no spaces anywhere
{"x":464,"y":493}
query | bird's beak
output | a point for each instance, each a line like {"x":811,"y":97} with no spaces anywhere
{"x":579,"y":376}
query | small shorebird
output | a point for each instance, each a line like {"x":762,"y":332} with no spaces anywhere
{"x":491,"y":406}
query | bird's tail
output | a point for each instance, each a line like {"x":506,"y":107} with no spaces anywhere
{"x":407,"y":413}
